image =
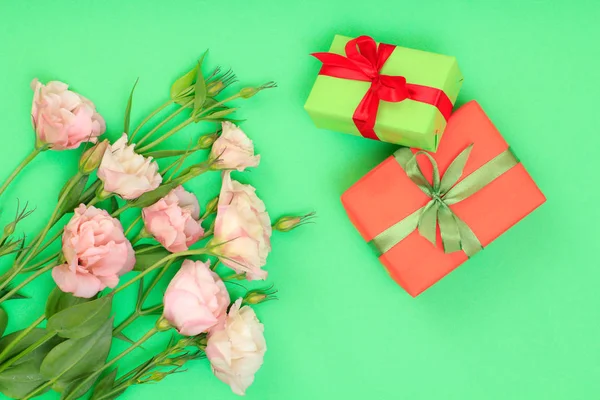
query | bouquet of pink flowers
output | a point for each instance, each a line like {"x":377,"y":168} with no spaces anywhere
{"x":125,"y":183}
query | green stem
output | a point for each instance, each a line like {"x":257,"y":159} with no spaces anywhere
{"x":121,"y":210}
{"x":153,"y":284}
{"x":106,"y":366}
{"x":218,"y":104}
{"x":20,"y":167}
{"x":91,"y":189}
{"x":125,"y":323}
{"x":162,"y":123}
{"x":208,"y":233}
{"x":195,"y":118}
{"x":26,"y":282}
{"x":20,"y":336}
{"x":166,"y":135}
{"x":111,"y":394}
{"x":157,"y":264}
{"x":152,"y":309}
{"x":169,"y":167}
{"x":148,"y":118}
{"x":48,"y":336}
{"x":94,"y":201}
{"x":50,"y":241}
{"x":129,"y":379}
{"x":40,"y":263}
{"x":133,"y":224}
{"x":20,"y":267}
{"x":51,"y":221}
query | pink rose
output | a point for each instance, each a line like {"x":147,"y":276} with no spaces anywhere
{"x":196,"y":299}
{"x":242,"y":229}
{"x":174,"y":220}
{"x":62,"y":118}
{"x":237,"y":350}
{"x":97,"y":253}
{"x":127,"y":173}
{"x":234,"y":149}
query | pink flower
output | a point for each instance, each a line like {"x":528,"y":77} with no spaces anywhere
{"x":127,"y":173}
{"x":174,"y":220}
{"x":237,"y":350}
{"x":242,"y":229}
{"x":234,"y":149}
{"x":97,"y":253}
{"x":196,"y":299}
{"x":62,"y":118}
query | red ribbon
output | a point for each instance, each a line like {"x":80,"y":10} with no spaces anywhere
{"x":363,"y":61}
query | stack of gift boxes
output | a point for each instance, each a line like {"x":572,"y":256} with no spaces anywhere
{"x":452,"y":188}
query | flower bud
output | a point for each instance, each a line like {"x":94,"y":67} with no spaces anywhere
{"x":155,"y":376}
{"x":248,"y":92}
{"x":286,"y":224}
{"x":9,"y":229}
{"x":206,"y":141}
{"x":257,"y":296}
{"x":91,"y":158}
{"x":214,"y":88}
{"x":163,"y":325}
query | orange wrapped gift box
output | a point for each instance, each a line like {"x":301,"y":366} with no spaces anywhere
{"x":387,"y":197}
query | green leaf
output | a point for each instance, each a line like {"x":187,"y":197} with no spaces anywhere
{"x":72,"y":389}
{"x":187,"y":98}
{"x":152,"y":197}
{"x":24,"y":375}
{"x":3,"y":321}
{"x":15,"y":296}
{"x":73,"y":198}
{"x":121,"y":336}
{"x":178,"y":89}
{"x":200,"y":86}
{"x":220,"y":114}
{"x":90,"y":192}
{"x":128,"y":109}
{"x":29,"y":339}
{"x":81,"y":320}
{"x":147,"y":255}
{"x":59,"y":301}
{"x":10,"y":246}
{"x":209,"y":102}
{"x":17,"y":381}
{"x":74,"y":358}
{"x":105,"y":384}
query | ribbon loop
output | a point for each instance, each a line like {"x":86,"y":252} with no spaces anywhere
{"x":456,"y":234}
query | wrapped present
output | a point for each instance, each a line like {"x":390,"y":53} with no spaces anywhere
{"x":384,"y":92}
{"x":428,"y":213}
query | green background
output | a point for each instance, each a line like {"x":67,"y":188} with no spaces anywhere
{"x":519,"y":321}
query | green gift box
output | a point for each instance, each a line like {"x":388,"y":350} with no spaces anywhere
{"x":354,"y":71}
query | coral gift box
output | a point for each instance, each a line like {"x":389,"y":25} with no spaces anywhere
{"x":387,"y":196}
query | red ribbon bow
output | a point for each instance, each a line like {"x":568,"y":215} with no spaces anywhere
{"x":363,"y":62}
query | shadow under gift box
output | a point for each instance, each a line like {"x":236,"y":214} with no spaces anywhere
{"x":386,"y":195}
{"x":333,"y":101}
